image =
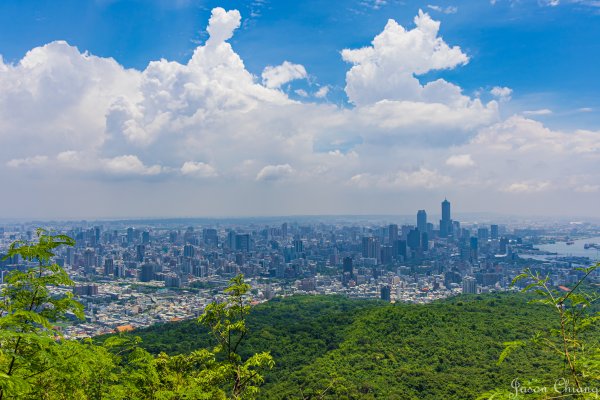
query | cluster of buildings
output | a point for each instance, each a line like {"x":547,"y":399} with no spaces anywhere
{"x":137,"y":273}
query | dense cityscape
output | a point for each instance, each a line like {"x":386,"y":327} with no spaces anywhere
{"x":131,"y":274}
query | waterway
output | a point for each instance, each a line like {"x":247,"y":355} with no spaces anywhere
{"x":562,"y":249}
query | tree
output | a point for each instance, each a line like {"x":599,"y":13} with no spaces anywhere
{"x":573,"y":339}
{"x":227,"y":321}
{"x":30,"y":303}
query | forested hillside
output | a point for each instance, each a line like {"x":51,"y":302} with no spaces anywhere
{"x":370,"y":349}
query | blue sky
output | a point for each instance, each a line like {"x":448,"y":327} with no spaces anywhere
{"x":533,"y":66}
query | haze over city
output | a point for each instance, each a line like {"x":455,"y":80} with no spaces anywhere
{"x":258,"y":108}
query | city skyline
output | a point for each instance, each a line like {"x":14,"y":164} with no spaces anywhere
{"x":188,"y":109}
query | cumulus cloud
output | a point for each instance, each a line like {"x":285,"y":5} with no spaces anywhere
{"x":460,"y":161}
{"x":275,"y":77}
{"x":222,"y":24}
{"x":502,"y":93}
{"x":129,"y":165}
{"x":274,"y":172}
{"x":387,"y":68}
{"x":322,"y":92}
{"x":198,"y":169}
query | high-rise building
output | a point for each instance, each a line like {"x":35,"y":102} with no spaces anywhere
{"x":348,"y":266}
{"x":474,"y":249}
{"x":298,"y":246}
{"x":129,"y":235}
{"x":446,"y":221}
{"x":109,"y":267}
{"x":424,"y":241}
{"x":483,"y":234}
{"x":392,"y":233}
{"x":422,"y":221}
{"x":140,"y":252}
{"x":147,"y":273}
{"x":414,"y":240}
{"x":400,"y":248}
{"x":89,"y":260}
{"x":210,"y":236}
{"x":469,"y":285}
{"x":368,"y":247}
{"x":189,"y":251}
{"x":145,"y":237}
{"x":70,"y":258}
{"x":231,"y":240}
{"x":386,"y":293}
{"x":386,"y":254}
{"x":242,"y":242}
{"x":494,"y":232}
{"x":503,"y":245}
{"x":371,"y":247}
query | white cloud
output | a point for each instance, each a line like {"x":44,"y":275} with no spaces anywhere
{"x":543,"y":111}
{"x":387,"y":68}
{"x":549,"y":3}
{"x":445,"y":10}
{"x":460,"y":161}
{"x":522,"y":135}
{"x":221,"y":25}
{"x":502,"y":93}
{"x":275,"y":77}
{"x":301,"y":92}
{"x":198,"y":169}
{"x":275,"y":172}
{"x":27,"y":162}
{"x":129,"y":165}
{"x":527,"y":187}
{"x":322,"y":92}
{"x":587,"y":188}
{"x":374,"y":4}
{"x":420,"y":178}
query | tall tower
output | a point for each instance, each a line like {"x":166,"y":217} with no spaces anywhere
{"x":422,"y":221}
{"x":446,"y":210}
{"x":446,"y":221}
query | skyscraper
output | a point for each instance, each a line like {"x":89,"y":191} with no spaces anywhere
{"x":242,"y":242}
{"x":446,"y":221}
{"x":422,"y":221}
{"x":494,"y":231}
{"x":392,"y":233}
{"x":347,"y":268}
{"x":386,"y":292}
{"x":414,"y":240}
{"x":474,"y":249}
{"x":469,"y":285}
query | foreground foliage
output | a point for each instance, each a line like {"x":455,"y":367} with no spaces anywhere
{"x":572,"y":338}
{"x":37,"y":363}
